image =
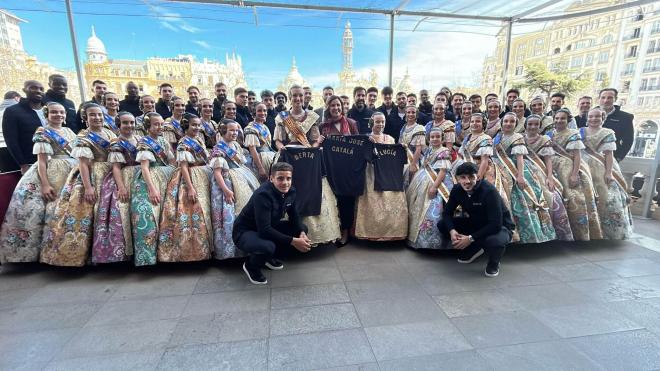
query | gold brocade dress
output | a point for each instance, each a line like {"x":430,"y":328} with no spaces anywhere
{"x":258,"y":135}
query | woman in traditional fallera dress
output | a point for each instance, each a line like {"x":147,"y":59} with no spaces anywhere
{"x":413,"y":136}
{"x":304,"y":131}
{"x":258,"y":140}
{"x":186,"y":231}
{"x":172,"y":130}
{"x":112,"y":226}
{"x":148,"y":189}
{"x":575,"y":178}
{"x":231,"y":189}
{"x":33,"y":201}
{"x":147,"y":105}
{"x":529,"y":208}
{"x":111,"y":104}
{"x":537,"y":107}
{"x":70,"y":231}
{"x":613,"y":200}
{"x":209,"y":131}
{"x":541,"y":155}
{"x":462,"y":126}
{"x":427,"y":192}
{"x":380,"y":216}
{"x":493,"y":122}
{"x":518,"y":107}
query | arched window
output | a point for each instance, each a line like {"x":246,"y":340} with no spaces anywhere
{"x":646,"y":137}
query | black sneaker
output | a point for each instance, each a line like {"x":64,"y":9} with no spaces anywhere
{"x":492,"y":269}
{"x":254,"y":275}
{"x":468,"y":256}
{"x":274,"y":265}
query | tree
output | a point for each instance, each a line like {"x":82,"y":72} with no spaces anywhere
{"x":540,"y":80}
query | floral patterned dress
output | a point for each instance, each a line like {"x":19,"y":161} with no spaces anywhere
{"x":258,"y":135}
{"x":172,"y":132}
{"x":540,"y":147}
{"x":145,"y":216}
{"x":612,"y":201}
{"x":112,"y":229}
{"x":423,"y":212}
{"x":186,"y":231}
{"x":580,"y":201}
{"x":28,"y":214}
{"x":69,"y":239}
{"x":529,"y":208}
{"x":380,"y":216}
{"x":411,"y":137}
{"x":240,"y":180}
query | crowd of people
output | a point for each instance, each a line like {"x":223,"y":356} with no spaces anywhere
{"x":163,"y":179}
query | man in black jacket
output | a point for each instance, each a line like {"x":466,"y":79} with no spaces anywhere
{"x":99,"y":88}
{"x":59,"y":86}
{"x":243,"y":115}
{"x":397,"y":117}
{"x":584,"y":105}
{"x":163,"y":104}
{"x":268,"y":99}
{"x":20,"y":121}
{"x":270,"y":223}
{"x":360,"y":112}
{"x":131,"y":102}
{"x":619,"y":121}
{"x":484,"y":223}
{"x":219,"y":101}
{"x":388,"y":105}
{"x":193,"y":101}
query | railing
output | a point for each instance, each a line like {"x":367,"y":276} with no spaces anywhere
{"x":649,"y":88}
{"x":627,"y":73}
{"x":651,"y":69}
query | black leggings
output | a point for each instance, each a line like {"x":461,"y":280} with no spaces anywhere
{"x":346,"y":206}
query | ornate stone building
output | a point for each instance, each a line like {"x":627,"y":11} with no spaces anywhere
{"x":347,"y":77}
{"x":292,"y":78}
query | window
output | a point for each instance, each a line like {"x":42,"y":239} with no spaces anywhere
{"x":632,"y":52}
{"x":636,"y":32}
{"x":640,"y":101}
{"x":652,"y":84}
{"x":557,"y":51}
{"x":656,"y":27}
{"x":603,"y":57}
{"x":519,"y":70}
{"x":583,"y":44}
{"x":600,"y":76}
{"x":629,"y":69}
{"x":607,"y":39}
{"x":647,"y":65}
{"x":576,"y":61}
{"x":643,"y":84}
{"x":651,"y":47}
{"x":589,"y":60}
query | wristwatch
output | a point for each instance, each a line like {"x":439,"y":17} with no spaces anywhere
{"x":470,"y":238}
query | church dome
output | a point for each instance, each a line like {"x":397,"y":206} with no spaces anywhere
{"x":95,"y":45}
{"x":294,"y":77}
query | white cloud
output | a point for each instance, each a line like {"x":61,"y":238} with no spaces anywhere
{"x":203,"y":44}
{"x":170,"y":20}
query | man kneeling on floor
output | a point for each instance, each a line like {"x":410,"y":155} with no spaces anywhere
{"x":270,"y":223}
{"x":476,"y":219}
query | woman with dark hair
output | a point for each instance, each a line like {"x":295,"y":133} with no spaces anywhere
{"x":147,"y":104}
{"x":34,"y":199}
{"x":154,"y":154}
{"x":208,"y":133}
{"x":111,"y":104}
{"x":69,"y":238}
{"x":518,"y":107}
{"x":493,"y":122}
{"x":112,"y":227}
{"x":231,"y":189}
{"x":537,"y":107}
{"x":258,"y":141}
{"x":413,"y":136}
{"x":334,"y":120}
{"x":186,"y":231}
{"x":172,"y":130}
{"x":575,"y":178}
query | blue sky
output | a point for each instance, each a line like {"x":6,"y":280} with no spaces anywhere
{"x":147,"y":28}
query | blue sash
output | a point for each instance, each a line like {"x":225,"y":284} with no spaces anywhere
{"x":129,"y":147}
{"x":498,"y":138}
{"x":550,"y":134}
{"x":208,"y":129}
{"x":263,"y":131}
{"x":155,"y":147}
{"x":98,"y":140}
{"x":583,"y":134}
{"x":459,"y":126}
{"x":55,"y":137}
{"x":176,"y":125}
{"x":111,"y":122}
{"x":195,"y":146}
{"x":224,"y":147}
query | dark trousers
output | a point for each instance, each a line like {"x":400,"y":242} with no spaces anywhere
{"x":260,"y":250}
{"x":493,"y":245}
{"x":346,"y":206}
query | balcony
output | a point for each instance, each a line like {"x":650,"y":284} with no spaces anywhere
{"x":650,"y":88}
{"x":632,"y":36}
{"x":651,"y":69}
{"x":627,"y":73}
{"x":655,"y":31}
{"x":631,"y":55}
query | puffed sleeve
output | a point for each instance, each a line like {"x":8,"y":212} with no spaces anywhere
{"x":485,"y":148}
{"x":443,"y":161}
{"x":251,"y":139}
{"x":82,"y":152}
{"x":519,"y":149}
{"x":145,"y":155}
{"x":116,"y":157}
{"x":574,"y":142}
{"x":41,"y":144}
{"x":546,"y":151}
{"x":219,"y":162}
{"x":608,"y":144}
{"x":169,"y":136}
{"x":418,"y":139}
{"x":183,"y":154}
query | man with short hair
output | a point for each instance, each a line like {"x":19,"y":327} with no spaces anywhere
{"x":99,"y":88}
{"x":345,"y":104}
{"x":372,"y":97}
{"x":328,"y":91}
{"x":511,"y":95}
{"x":20,"y":121}
{"x":268,"y":99}
{"x":489,"y":97}
{"x":483,"y":224}
{"x":131,"y":102}
{"x":425,"y":104}
{"x":476,"y":102}
{"x":163,"y":105}
{"x":219,"y":101}
{"x":252,"y":102}
{"x":307,"y":98}
{"x":270,"y":224}
{"x":556,"y":103}
{"x":456,"y":104}
{"x":443,"y":98}
{"x":619,"y":121}
{"x":280,"y":101}
{"x":395,"y":121}
{"x":360,"y":112}
{"x":193,"y":101}
{"x":58,"y":87}
{"x":584,"y":105}
{"x":243,"y":115}
{"x":388,"y":104}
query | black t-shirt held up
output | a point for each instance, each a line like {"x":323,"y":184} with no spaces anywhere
{"x":388,"y":167}
{"x":307,"y":174}
{"x":345,"y":158}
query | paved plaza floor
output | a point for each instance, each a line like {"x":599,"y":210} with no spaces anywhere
{"x":366,"y":306}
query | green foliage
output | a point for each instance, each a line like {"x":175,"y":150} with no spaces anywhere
{"x":539,"y":80}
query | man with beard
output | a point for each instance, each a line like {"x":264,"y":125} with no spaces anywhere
{"x":58,"y":87}
{"x":397,"y":117}
{"x":360,"y":112}
{"x":252,"y":102}
{"x":219,"y":101}
{"x":307,"y":98}
{"x":387,"y":105}
{"x":556,"y":103}
{"x":619,"y":121}
{"x":99,"y":88}
{"x":131,"y":102}
{"x":476,"y":102}
{"x":163,"y":104}
{"x":193,"y":101}
{"x":243,"y":116}
{"x":584,"y":105}
{"x":280,"y":100}
{"x":372,"y":97}
{"x":20,"y":121}
{"x":425,"y":106}
{"x":328,"y":91}
{"x":268,"y":99}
